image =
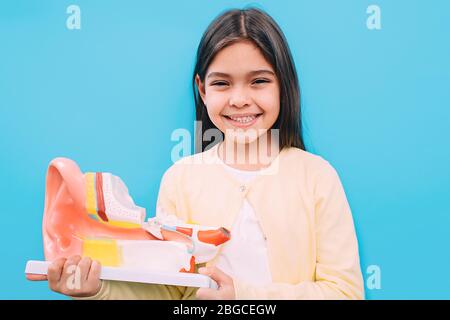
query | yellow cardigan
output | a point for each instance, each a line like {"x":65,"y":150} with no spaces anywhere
{"x":303,"y":212}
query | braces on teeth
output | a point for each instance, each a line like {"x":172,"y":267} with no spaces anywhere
{"x":244,"y":119}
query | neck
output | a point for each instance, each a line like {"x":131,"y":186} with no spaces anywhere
{"x":255,"y":155}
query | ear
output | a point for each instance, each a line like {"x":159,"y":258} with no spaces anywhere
{"x":201,"y":88}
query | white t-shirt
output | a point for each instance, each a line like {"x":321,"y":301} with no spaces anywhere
{"x":244,"y":256}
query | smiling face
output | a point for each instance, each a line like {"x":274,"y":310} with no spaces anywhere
{"x":241,"y":92}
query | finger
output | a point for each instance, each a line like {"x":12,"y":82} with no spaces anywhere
{"x":94,"y":271}
{"x":216,"y":274}
{"x":67,"y":276}
{"x":54,"y":272}
{"x":93,"y":278}
{"x":70,"y":262}
{"x":207,"y":294}
{"x":85,"y":265}
{"x":36,"y":277}
{"x":68,"y":270}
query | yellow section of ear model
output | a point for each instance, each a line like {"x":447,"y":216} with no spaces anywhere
{"x":106,"y":251}
{"x":91,"y":194}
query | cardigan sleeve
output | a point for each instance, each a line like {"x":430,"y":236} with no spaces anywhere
{"x":338,"y":274}
{"x":120,"y":290}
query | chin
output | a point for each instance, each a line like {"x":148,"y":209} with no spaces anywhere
{"x":242,"y":137}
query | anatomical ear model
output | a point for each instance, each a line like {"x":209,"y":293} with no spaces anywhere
{"x":92,"y":215}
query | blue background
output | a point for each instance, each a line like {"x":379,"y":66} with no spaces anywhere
{"x":375,"y":103}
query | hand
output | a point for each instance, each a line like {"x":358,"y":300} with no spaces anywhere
{"x":225,"y":282}
{"x":74,"y":276}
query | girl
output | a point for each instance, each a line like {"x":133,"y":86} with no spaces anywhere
{"x":292,"y":230}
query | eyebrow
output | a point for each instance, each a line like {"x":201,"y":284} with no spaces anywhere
{"x":251,"y":73}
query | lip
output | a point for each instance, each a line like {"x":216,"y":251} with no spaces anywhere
{"x":238,"y":124}
{"x":243,"y":114}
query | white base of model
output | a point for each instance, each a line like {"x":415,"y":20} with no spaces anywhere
{"x":133,"y":275}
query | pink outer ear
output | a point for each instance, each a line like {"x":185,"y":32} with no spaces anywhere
{"x":64,"y":198}
{"x":63,"y":170}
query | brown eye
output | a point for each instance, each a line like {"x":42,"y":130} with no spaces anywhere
{"x":261,"y":81}
{"x":219,"y":83}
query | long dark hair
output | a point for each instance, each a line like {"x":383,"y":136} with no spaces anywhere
{"x":257,"y":26}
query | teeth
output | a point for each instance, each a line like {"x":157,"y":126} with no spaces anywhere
{"x":243,"y":119}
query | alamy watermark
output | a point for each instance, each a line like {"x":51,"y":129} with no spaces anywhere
{"x":373,"y":21}
{"x":243,"y":147}
{"x":373,"y":281}
{"x":73,"y":281}
{"x":73,"y":21}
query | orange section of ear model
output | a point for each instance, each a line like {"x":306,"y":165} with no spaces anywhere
{"x":186,"y":231}
{"x":192,"y":269}
{"x":100,"y":198}
{"x":215,"y":237}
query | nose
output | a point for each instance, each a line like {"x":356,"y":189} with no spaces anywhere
{"x":239,"y":98}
